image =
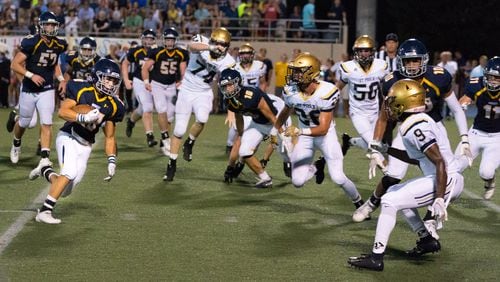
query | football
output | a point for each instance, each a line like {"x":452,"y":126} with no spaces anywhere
{"x":83,"y":108}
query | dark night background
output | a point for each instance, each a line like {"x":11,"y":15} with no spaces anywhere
{"x":471,"y":27}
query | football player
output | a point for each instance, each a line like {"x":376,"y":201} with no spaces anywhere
{"x":313,"y":101}
{"x":167,"y":65}
{"x":441,"y":181}
{"x":38,"y":63}
{"x":80,"y":63}
{"x":484,"y":134}
{"x":138,"y":56}
{"x":76,"y":136}
{"x":208,"y":57}
{"x":412,"y":62}
{"x":363,"y":76}
{"x":252,"y":102}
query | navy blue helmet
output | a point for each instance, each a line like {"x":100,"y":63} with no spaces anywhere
{"x":88,"y":48}
{"x":230,"y":77}
{"x":492,"y":74}
{"x":106,"y":77}
{"x":48,"y":24}
{"x":148,"y":38}
{"x":170,"y":33}
{"x":411,"y":50}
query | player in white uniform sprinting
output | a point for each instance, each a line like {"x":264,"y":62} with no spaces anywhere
{"x":363,"y":76}
{"x":208,"y":57}
{"x":440,"y":183}
{"x":313,"y":101}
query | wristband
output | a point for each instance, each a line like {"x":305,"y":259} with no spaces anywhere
{"x":111,"y":159}
{"x":28,"y":74}
{"x":80,"y":118}
{"x":305,"y":131}
{"x":464,"y":138}
{"x":60,"y":78}
{"x":146,"y":81}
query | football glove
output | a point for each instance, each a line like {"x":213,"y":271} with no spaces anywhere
{"x":465,"y":149}
{"x":378,"y":146}
{"x":111,"y":167}
{"x":292,"y":131}
{"x":376,"y":160}
{"x":89,"y":117}
{"x":228,"y":174}
{"x":438,"y":210}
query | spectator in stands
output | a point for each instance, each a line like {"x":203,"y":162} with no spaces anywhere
{"x":86,"y":17}
{"x":192,"y":27}
{"x":271,"y":13}
{"x":71,"y":23}
{"x":242,"y":8}
{"x":150,"y":22}
{"x":188,"y":13}
{"x":133,"y":22}
{"x":309,"y":21}
{"x":478,"y":71}
{"x":116,"y":22}
{"x":294,"y":25}
{"x":182,"y":4}
{"x":101,"y":24}
{"x":103,"y":6}
{"x":174,"y":15}
{"x":139,"y":3}
{"x":255,"y":18}
{"x":4,"y":76}
{"x":201,"y":14}
{"x":23,"y":14}
{"x":337,"y":12}
{"x":280,"y":69}
{"x":6,"y":21}
{"x":229,"y":18}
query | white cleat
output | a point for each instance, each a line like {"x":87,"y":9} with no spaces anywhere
{"x":363,"y":212}
{"x":488,"y":193}
{"x":431,"y":226}
{"x":165,"y":147}
{"x":264,"y":183}
{"x":46,"y":217}
{"x":37,"y":171}
{"x":14,"y":154}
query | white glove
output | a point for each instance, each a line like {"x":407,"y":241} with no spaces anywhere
{"x":465,"y":148}
{"x":89,"y":117}
{"x":292,"y":131}
{"x":376,"y":160}
{"x":111,"y":167}
{"x":438,"y":210}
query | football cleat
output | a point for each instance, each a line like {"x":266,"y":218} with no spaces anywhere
{"x":228,"y":150}
{"x":229,"y":174}
{"x":287,"y":169}
{"x":367,"y":261}
{"x":37,"y":171}
{"x":238,"y":168}
{"x":320,"y":170}
{"x":346,"y":143}
{"x":11,"y":121}
{"x":165,"y":146}
{"x":130,"y":127}
{"x":46,"y":217}
{"x":488,"y":192}
{"x":171,"y":168}
{"x":431,"y":226}
{"x":14,"y":154}
{"x":363,"y":212}
{"x":150,"y":138}
{"x":264,"y":183}
{"x":425,"y":245}
{"x":187,"y":149}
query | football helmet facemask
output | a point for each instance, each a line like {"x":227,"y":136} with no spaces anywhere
{"x":170,"y":36}
{"x":364,"y":50}
{"x":492,"y":74}
{"x":48,"y":24}
{"x":410,"y":51}
{"x":148,"y":38}
{"x":230,"y":83}
{"x":87,"y":48}
{"x":405,"y":96}
{"x":303,"y":70}
{"x":106,"y":77}
{"x":246,"y":53}
{"x":220,"y":37}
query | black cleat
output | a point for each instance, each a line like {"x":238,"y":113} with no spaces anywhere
{"x":346,"y":143}
{"x":187,"y":148}
{"x":229,"y":174}
{"x":228,"y":150}
{"x":150,"y":138}
{"x":367,"y":261}
{"x":320,"y":170}
{"x":11,"y":121}
{"x":130,"y":127}
{"x":425,"y":245}
{"x":238,"y":168}
{"x":287,"y":168}
{"x":171,"y":168}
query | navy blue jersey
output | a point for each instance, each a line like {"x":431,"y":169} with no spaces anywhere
{"x":436,"y":82}
{"x":488,"y":105}
{"x":166,"y":68}
{"x":248,"y":104}
{"x":42,"y":58}
{"x":137,"y":55}
{"x":186,"y":57}
{"x":84,"y":92}
{"x":80,"y":69}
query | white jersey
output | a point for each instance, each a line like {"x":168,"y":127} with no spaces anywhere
{"x":308,"y":108}
{"x":202,"y":68}
{"x":364,"y":87}
{"x":419,"y":132}
{"x":251,"y":76}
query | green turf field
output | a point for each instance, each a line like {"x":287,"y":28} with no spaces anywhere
{"x":139,"y":228}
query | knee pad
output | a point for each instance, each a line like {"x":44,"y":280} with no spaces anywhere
{"x":388,"y":181}
{"x":27,"y":122}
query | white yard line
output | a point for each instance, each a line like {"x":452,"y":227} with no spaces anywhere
{"x":488,"y":204}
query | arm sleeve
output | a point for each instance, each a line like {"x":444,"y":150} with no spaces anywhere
{"x":458,"y":113}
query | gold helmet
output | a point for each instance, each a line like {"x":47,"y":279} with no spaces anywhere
{"x":220,"y":36}
{"x":405,"y":96}
{"x":303,"y":70}
{"x":246,"y":53}
{"x":367,"y":44}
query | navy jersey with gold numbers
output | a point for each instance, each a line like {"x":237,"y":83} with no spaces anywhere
{"x":42,"y":58}
{"x":80,"y":69}
{"x":137,"y":55}
{"x":84,"y":92}
{"x":248,"y":104}
{"x":488,"y":105}
{"x":166,"y":68}
{"x":436,"y":82}
{"x":186,"y":57}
